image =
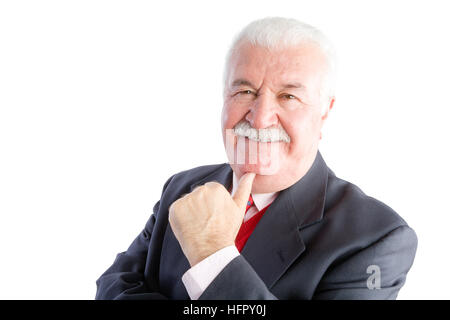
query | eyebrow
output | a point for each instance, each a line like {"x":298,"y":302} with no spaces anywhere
{"x":294,"y":85}
{"x":244,"y":82}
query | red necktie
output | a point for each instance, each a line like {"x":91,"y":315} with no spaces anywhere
{"x":249,"y":203}
{"x":247,"y":227}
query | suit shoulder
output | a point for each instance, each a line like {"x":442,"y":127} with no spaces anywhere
{"x":181,"y":181}
{"x":199,"y":173}
{"x":347,"y":202}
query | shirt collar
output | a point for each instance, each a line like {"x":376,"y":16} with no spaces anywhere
{"x":260,"y":200}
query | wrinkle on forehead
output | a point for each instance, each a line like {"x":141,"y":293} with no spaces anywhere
{"x":305,"y":64}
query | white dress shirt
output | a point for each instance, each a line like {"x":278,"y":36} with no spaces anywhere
{"x":200,"y":276}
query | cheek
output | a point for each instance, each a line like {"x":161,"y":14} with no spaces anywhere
{"x":231,"y":115}
{"x":293,"y":124}
{"x":303,"y":129}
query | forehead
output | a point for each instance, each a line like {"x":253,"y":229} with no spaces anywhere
{"x":305,"y":63}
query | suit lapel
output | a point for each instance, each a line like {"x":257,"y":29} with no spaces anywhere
{"x":276,"y":241}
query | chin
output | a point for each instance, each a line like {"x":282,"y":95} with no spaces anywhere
{"x":267,"y":169}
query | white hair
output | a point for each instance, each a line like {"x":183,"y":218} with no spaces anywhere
{"x":278,"y":33}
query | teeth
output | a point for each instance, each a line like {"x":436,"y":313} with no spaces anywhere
{"x":244,"y":129}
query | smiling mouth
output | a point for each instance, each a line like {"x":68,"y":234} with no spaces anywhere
{"x":244,"y":129}
{"x":258,"y":153}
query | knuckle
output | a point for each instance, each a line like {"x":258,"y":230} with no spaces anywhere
{"x":214,"y":185}
{"x":197,"y":188}
{"x":174,"y":212}
{"x":173,"y":209}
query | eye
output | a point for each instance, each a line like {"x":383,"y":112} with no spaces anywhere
{"x":245,"y":92}
{"x":288,"y":96}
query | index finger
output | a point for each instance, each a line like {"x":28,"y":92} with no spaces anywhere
{"x":244,"y":189}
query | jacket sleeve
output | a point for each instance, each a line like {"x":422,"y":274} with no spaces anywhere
{"x":376,"y":272}
{"x":237,"y":281}
{"x":124,"y":279}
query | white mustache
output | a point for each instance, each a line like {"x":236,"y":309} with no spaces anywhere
{"x":244,"y":129}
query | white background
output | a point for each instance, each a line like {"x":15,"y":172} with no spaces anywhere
{"x":102,"y":101}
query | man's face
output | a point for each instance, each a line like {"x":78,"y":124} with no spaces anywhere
{"x":276,"y":90}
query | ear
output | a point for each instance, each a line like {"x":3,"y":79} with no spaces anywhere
{"x":328,"y":108}
{"x":325,"y":113}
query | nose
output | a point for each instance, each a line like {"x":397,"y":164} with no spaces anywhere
{"x":263,"y":113}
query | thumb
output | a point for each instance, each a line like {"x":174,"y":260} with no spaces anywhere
{"x":244,"y":189}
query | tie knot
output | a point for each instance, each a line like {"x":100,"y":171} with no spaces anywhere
{"x":249,"y":203}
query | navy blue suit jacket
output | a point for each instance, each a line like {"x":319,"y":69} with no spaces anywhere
{"x":322,"y":238}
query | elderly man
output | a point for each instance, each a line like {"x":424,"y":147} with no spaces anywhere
{"x":274,"y":222}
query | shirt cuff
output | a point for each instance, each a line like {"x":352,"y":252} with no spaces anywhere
{"x":200,"y":276}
